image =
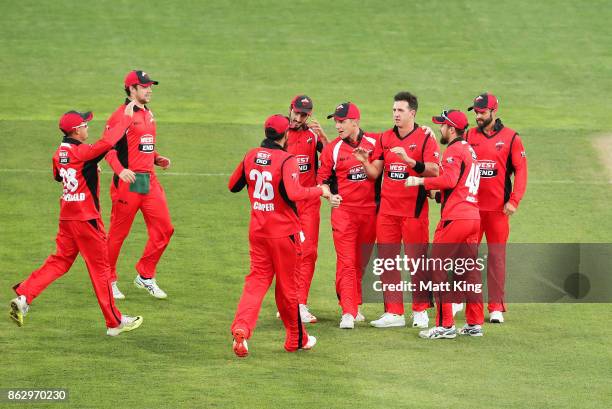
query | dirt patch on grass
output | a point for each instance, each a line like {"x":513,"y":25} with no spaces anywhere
{"x":603,"y":146}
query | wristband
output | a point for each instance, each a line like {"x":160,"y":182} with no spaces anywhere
{"x":419,"y":167}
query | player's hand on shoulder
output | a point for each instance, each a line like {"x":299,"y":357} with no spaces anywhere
{"x":129,"y":108}
{"x":428,"y":131}
{"x":127,"y":176}
{"x":162,"y":162}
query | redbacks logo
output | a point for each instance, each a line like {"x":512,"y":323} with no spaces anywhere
{"x":397,"y":171}
{"x":147,"y":144}
{"x":488,"y":168}
{"x":64,"y":158}
{"x":357,"y":173}
{"x":263,"y":158}
{"x":412,"y":147}
{"x":499,"y":145}
{"x":303,"y":163}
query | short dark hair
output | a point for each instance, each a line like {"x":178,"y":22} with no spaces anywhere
{"x":127,"y":91}
{"x":460,"y":132}
{"x":411,"y":99}
{"x":272,"y":134}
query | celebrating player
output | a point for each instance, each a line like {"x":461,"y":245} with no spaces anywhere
{"x":135,"y":187}
{"x":305,"y":139}
{"x":75,"y":164}
{"x":354,"y":219}
{"x":500,"y":153}
{"x":402,"y":151}
{"x":457,"y":232}
{"x":272,"y":177}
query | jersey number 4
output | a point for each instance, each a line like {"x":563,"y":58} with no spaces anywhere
{"x":263,"y":188}
{"x":473,"y":179}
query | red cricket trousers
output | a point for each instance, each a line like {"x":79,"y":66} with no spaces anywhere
{"x":391,"y":231}
{"x":273,"y":257}
{"x":74,"y":237}
{"x":154,"y":209}
{"x":457,"y":239}
{"x":495,"y":225}
{"x":310,"y":217}
{"x":354,"y":236}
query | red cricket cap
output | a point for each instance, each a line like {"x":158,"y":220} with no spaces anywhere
{"x":453,"y":117}
{"x":137,"y":77}
{"x":484,"y":102}
{"x":301,"y":103}
{"x":278,"y":122}
{"x":346,"y":110}
{"x":72,"y":119}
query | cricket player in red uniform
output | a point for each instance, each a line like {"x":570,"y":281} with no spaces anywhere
{"x":305,"y":139}
{"x":353,"y":216}
{"x":75,"y":164}
{"x":501,"y":154}
{"x":402,"y":151}
{"x":457,"y":232}
{"x":272,"y":177}
{"x":136,"y":187}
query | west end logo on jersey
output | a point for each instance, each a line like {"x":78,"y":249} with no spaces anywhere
{"x":63,"y":157}
{"x":488,"y":168}
{"x":499,"y":145}
{"x":147,"y":144}
{"x":303,"y":163}
{"x":357,"y":173}
{"x":263,"y":158}
{"x":398,"y":171}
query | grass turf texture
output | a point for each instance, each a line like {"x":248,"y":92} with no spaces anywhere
{"x":222,"y":70}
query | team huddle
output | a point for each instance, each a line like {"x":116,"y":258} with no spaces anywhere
{"x":378,"y":185}
{"x":128,"y":145}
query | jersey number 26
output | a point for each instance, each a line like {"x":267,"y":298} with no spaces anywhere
{"x":263,"y":188}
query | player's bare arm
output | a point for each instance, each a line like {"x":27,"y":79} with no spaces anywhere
{"x":373,"y":169}
{"x":431,"y":169}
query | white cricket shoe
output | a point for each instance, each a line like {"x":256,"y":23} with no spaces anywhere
{"x":388,"y":320}
{"x":420,"y":319}
{"x":457,"y":307}
{"x":360,"y":317}
{"x":127,"y":324}
{"x":117,"y":294}
{"x":439,"y":333}
{"x":151,"y":286}
{"x":496,"y":317}
{"x":307,"y":316}
{"x":471,"y":330}
{"x":310,"y":344}
{"x":19,"y":308}
{"x":347,"y":322}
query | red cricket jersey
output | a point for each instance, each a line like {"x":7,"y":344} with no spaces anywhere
{"x":272,"y":177}
{"x":346,"y":175}
{"x":304,"y":143}
{"x":500,"y":154}
{"x":75,"y":164}
{"x":458,"y":182}
{"x":396,"y":199}
{"x":136,"y":150}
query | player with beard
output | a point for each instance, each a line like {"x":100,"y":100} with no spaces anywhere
{"x":305,"y":140}
{"x":456,"y":235}
{"x":500,"y":154}
{"x":353,"y":216}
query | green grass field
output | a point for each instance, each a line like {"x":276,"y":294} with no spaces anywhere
{"x":222,"y":69}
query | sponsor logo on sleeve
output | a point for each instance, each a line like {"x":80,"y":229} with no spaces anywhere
{"x":64,"y":158}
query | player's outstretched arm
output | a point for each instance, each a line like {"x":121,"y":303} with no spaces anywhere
{"x":291,"y":180}
{"x":237,"y":181}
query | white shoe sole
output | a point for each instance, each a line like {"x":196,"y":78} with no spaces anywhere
{"x":388,"y":325}
{"x":140,"y":285}
{"x":422,"y":326}
{"x":113,"y":332}
{"x":16,"y":314}
{"x":453,"y":336}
